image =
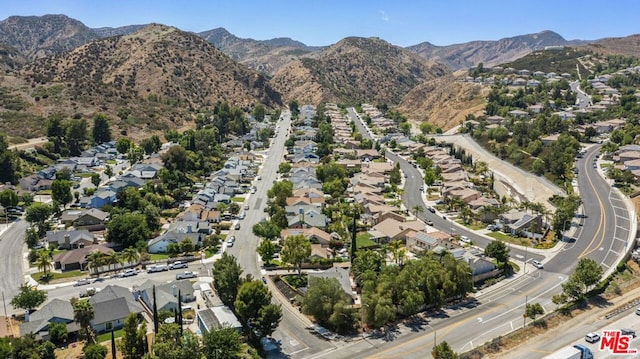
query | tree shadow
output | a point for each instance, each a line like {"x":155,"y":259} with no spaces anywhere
{"x":416,"y":324}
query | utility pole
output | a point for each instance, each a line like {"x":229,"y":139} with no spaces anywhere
{"x":524,"y":316}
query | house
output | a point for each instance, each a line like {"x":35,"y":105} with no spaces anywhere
{"x":308,"y":218}
{"x":216,"y":318}
{"x":145,"y":171}
{"x":102,"y":198}
{"x":93,"y":219}
{"x":313,"y":234}
{"x":166,"y":294}
{"x":70,"y":239}
{"x":419,"y":241}
{"x":112,"y":305}
{"x":179,"y":231}
{"x":394,"y":230}
{"x":340,"y":274}
{"x":35,"y":183}
{"x":77,"y":258}
{"x":55,"y":311}
{"x":367,"y":155}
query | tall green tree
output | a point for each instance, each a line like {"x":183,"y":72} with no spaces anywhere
{"x":169,"y":344}
{"x":253,"y":306}
{"x":295,"y":251}
{"x":498,"y":250}
{"x":101,"y":131}
{"x":9,"y":162}
{"x":132,"y":344}
{"x":37,"y":213}
{"x":326,"y":301}
{"x":259,"y":111}
{"x":8,"y":198}
{"x":227,"y":278}
{"x":123,"y":144}
{"x":443,"y":351}
{"x":83,"y":314}
{"x":61,"y":191}
{"x":127,"y":229}
{"x":58,"y":333}
{"x":267,"y":250}
{"x":222,"y":343}
{"x":95,"y":179}
{"x":94,"y":351}
{"x":266,"y":229}
{"x":76,"y":135}
{"x":28,"y":297}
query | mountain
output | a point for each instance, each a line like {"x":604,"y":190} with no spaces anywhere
{"x":102,"y":32}
{"x":628,"y":45}
{"x":444,"y":101}
{"x":10,"y":58}
{"x":158,"y":73}
{"x":490,"y":53}
{"x":353,"y":70}
{"x":40,"y":36}
{"x":266,"y":56}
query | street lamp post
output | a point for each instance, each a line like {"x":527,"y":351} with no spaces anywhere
{"x":435,"y":333}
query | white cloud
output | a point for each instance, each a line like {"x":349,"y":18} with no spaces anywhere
{"x":383,"y":16}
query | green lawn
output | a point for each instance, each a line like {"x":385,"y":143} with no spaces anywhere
{"x":507,"y":238}
{"x":237,"y":199}
{"x":159,"y":256}
{"x":55,"y":275}
{"x":111,"y":162}
{"x":363,"y":240}
{"x":106,"y":337}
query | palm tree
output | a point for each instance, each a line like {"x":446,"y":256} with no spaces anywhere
{"x":83,"y":314}
{"x":130,"y":255}
{"x":95,"y":260}
{"x":43,"y":263}
{"x":417,"y":209}
{"x":397,"y":250}
{"x":113,"y":259}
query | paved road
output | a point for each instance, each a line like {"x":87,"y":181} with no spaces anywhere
{"x":297,"y":341}
{"x":582,"y":99}
{"x":499,"y":310}
{"x":12,"y":247}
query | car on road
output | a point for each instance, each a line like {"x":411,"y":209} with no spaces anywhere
{"x":465,"y":239}
{"x":157,"y":268}
{"x":430,"y":222}
{"x":246,"y":207}
{"x":88,"y":292}
{"x":253,"y":190}
{"x":129,"y":272}
{"x":230,"y":241}
{"x":592,"y":337}
{"x":186,"y":275}
{"x":264,"y":280}
{"x":178,"y":265}
{"x":259,"y":178}
{"x":81,"y":282}
{"x":431,"y":209}
{"x":595,"y":165}
{"x":629,"y":332}
{"x":637,"y":311}
{"x":537,"y":264}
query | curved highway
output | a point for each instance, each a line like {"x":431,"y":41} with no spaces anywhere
{"x":497,"y":311}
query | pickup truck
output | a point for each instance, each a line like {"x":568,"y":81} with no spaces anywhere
{"x":186,"y":274}
{"x":178,"y":265}
{"x":88,"y":292}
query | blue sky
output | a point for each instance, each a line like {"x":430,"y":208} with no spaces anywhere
{"x":324,"y":22}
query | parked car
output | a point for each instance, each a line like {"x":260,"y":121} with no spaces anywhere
{"x":230,"y":241}
{"x":186,"y":275}
{"x":89,"y":292}
{"x":465,"y":239}
{"x":157,"y":268}
{"x":246,"y":207}
{"x":537,"y":264}
{"x":431,"y":209}
{"x":81,"y":282}
{"x":129,"y":272}
{"x":178,"y":265}
{"x":592,"y":337}
{"x":430,"y":222}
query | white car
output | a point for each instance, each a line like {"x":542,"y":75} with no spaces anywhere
{"x":81,"y":282}
{"x":537,"y":264}
{"x":186,"y":275}
{"x":592,"y":337}
{"x":465,"y":239}
{"x":129,"y":272}
{"x":178,"y":265}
